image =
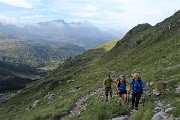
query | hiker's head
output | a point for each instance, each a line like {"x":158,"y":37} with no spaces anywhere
{"x":137,"y":76}
{"x":122,"y":77}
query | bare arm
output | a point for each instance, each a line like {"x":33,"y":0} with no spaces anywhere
{"x":104,"y":82}
{"x":116,"y":85}
{"x":130,"y":87}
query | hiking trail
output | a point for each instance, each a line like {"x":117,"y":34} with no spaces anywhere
{"x":79,"y":106}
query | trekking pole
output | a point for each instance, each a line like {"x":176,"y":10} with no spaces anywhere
{"x":144,"y":98}
{"x":128,"y":96}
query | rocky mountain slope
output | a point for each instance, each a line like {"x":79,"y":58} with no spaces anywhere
{"x":152,"y":51}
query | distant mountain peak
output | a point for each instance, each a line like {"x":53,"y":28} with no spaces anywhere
{"x":58,"y":21}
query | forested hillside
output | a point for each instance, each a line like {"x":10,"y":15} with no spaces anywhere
{"x":33,"y":53}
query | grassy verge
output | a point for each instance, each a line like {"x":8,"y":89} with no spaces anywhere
{"x":97,"y":109}
{"x":146,"y":112}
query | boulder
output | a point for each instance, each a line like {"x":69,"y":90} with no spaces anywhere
{"x":151,"y":83}
{"x":159,"y":116}
{"x":157,"y":93}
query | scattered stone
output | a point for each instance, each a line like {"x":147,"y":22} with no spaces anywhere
{"x":169,"y":109}
{"x":157,"y":109}
{"x":173,"y":67}
{"x":159,"y":116}
{"x":49,"y":95}
{"x":60,"y":82}
{"x":157,"y":93}
{"x":121,"y":118}
{"x":59,"y":92}
{"x":177,"y":88}
{"x":75,"y":89}
{"x":78,"y":87}
{"x":68,"y":81}
{"x":168,"y":105}
{"x":36,"y":103}
{"x":151,"y":83}
{"x":159,"y":104}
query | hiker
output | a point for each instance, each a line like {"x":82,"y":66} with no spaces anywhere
{"x":137,"y":86}
{"x":108,"y":89}
{"x":121,"y":88}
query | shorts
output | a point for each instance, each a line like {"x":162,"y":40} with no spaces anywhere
{"x":108,"y":89}
{"x":122,"y":92}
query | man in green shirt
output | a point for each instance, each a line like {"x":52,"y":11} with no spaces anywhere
{"x":107,"y":83}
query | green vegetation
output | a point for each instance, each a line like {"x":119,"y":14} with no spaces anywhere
{"x":108,"y":46}
{"x":151,"y":51}
{"x":146,"y":112}
{"x":33,"y":53}
{"x":98,"y":109}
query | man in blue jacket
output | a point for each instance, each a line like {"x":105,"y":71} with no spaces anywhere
{"x":137,"y":86}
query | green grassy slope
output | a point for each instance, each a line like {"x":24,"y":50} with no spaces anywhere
{"x":151,"y":51}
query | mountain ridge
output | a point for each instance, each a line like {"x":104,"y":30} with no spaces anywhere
{"x":84,"y":34}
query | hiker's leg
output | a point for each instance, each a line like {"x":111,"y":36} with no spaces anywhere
{"x":125,"y":98}
{"x":133,"y":98}
{"x":120,"y":97}
{"x":137,"y":99}
{"x":106,"y":93}
{"x":110,"y":90}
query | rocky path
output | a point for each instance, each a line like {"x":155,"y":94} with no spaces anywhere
{"x":79,"y":106}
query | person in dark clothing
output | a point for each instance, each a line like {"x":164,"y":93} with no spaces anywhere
{"x":108,"y":89}
{"x":137,"y":86}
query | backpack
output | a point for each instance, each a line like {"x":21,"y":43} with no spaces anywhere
{"x":120,"y":83}
{"x":139,"y":83}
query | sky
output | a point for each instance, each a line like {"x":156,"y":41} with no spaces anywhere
{"x":105,"y":14}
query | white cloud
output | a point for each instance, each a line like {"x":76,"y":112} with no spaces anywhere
{"x":10,"y":20}
{"x":32,"y":16}
{"x":104,"y":13}
{"x":19,"y":3}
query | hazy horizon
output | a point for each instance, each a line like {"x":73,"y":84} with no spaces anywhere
{"x":120,"y":15}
